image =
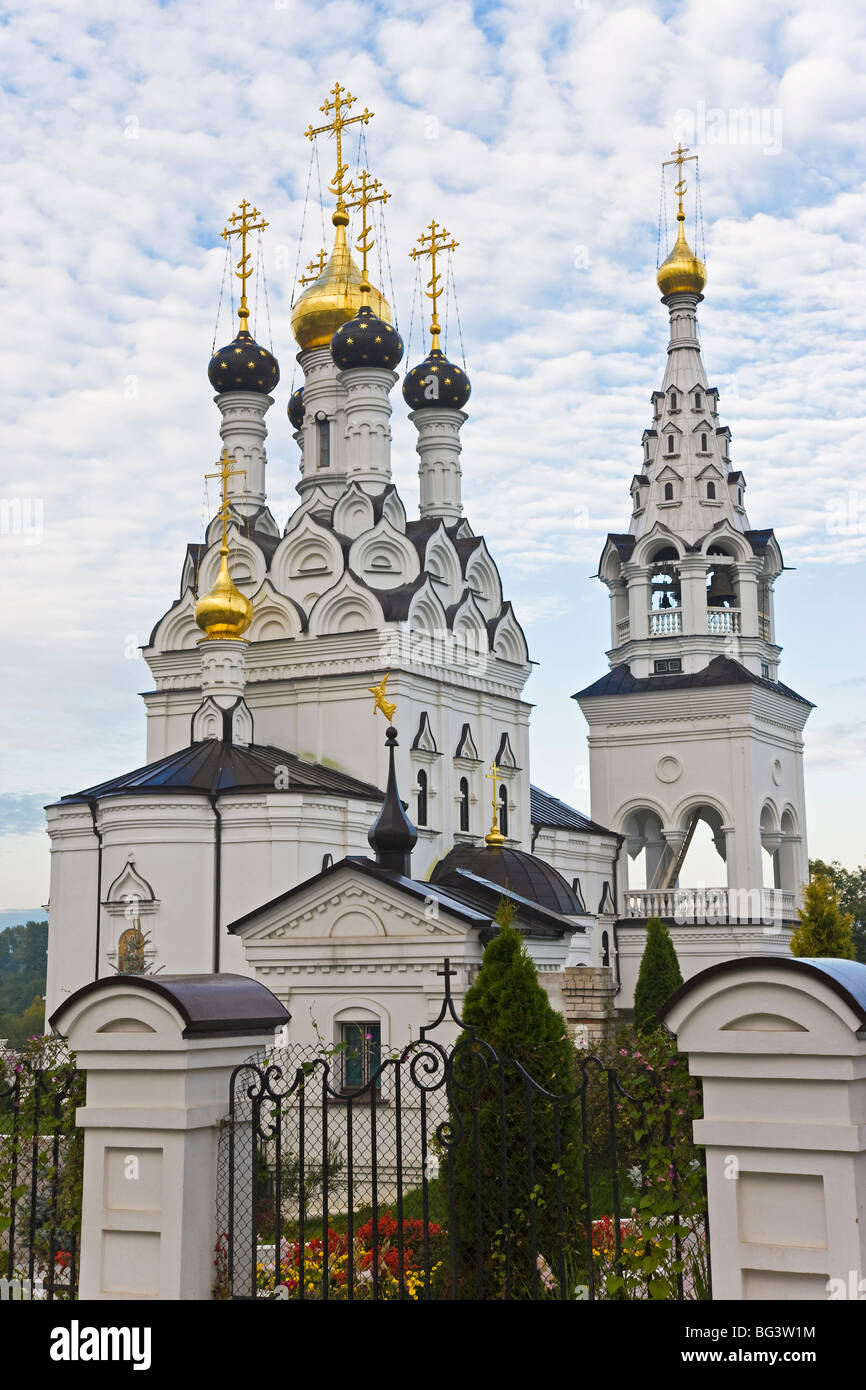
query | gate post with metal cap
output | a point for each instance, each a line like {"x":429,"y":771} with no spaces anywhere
{"x":780,"y":1045}
{"x":159,"y":1052}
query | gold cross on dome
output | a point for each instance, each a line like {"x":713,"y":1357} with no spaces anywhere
{"x":241,"y":224}
{"x":363,"y":192}
{"x":225,"y":472}
{"x":432,"y":244}
{"x":343,"y":99}
{"x":681,"y":157}
{"x":315,"y":268}
{"x":494,"y":835}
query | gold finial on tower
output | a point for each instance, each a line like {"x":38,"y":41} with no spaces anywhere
{"x":241,"y":224}
{"x":386,"y":706}
{"x":362,"y":194}
{"x":225,"y":613}
{"x":682,"y":272}
{"x":431,"y":244}
{"x":315,"y":268}
{"x":494,"y":836}
{"x":343,"y":99}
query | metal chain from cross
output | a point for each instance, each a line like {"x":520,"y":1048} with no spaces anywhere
{"x":225,"y":472}
{"x":681,"y":157}
{"x":315,"y":268}
{"x":241,"y":224}
{"x":433,"y":244}
{"x":343,"y":99}
{"x":362,"y":193}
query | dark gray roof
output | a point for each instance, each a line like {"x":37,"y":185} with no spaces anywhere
{"x":214,"y":767}
{"x":545,"y":809}
{"x":721,"y":671}
{"x":472,"y":899}
{"x":503,"y":869}
{"x":214,"y":1005}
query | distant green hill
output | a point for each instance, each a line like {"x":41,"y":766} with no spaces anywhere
{"x":23,"y":969}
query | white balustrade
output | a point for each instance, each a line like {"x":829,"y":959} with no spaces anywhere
{"x":711,"y":904}
{"x":665,"y":622}
{"x":623,"y":628}
{"x":723,"y":620}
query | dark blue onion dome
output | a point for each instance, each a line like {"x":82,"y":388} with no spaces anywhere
{"x":296,"y":407}
{"x":244,"y":366}
{"x":513,"y":869}
{"x":366,"y":341}
{"x":452,"y":388}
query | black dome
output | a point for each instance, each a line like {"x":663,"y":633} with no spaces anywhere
{"x":296,"y":407}
{"x":366,"y":341}
{"x":523,"y":874}
{"x":452,"y":385}
{"x":244,"y":366}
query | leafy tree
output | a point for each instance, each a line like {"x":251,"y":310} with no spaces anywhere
{"x":850,"y":884}
{"x":824,"y":930}
{"x":22,"y":981}
{"x":658,"y":977}
{"x":516,"y":1171}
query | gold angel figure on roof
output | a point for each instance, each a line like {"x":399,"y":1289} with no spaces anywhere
{"x":384,"y":705}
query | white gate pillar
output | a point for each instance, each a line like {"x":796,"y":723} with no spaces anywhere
{"x":158,"y":1052}
{"x":780,"y":1045}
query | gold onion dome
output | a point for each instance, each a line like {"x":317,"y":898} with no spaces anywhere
{"x":335,"y":297}
{"x":225,"y":613}
{"x":682,"y":272}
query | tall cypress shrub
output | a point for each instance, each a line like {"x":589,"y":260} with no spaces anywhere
{"x":658,"y":977}
{"x":516,"y":1170}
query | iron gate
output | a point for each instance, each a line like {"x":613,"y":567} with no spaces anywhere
{"x":448,"y":1173}
{"x":41,"y":1155}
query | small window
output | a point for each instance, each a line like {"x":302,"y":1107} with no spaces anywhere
{"x":323,"y":426}
{"x":739,"y":497}
{"x":668,"y":666}
{"x":670,"y":443}
{"x":711,"y":492}
{"x":669,"y":492}
{"x":361,"y":1055}
{"x":605,"y":948}
{"x":697,"y":400}
{"x":422,"y":798}
{"x":503,"y":809}
{"x":765,"y":670}
{"x":464,"y":803}
{"x":703,"y":443}
{"x":673,"y":400}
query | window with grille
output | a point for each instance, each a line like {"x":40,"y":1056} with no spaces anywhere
{"x":667,"y":666}
{"x":464,"y":803}
{"x":323,"y":425}
{"x":503,"y":809}
{"x":669,"y":492}
{"x":711,"y":492}
{"x":361,"y":1055}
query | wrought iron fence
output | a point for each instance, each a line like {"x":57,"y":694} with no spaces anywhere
{"x":41,"y":1154}
{"x":451,"y":1173}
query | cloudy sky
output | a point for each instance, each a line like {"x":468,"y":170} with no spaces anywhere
{"x":535,"y":132}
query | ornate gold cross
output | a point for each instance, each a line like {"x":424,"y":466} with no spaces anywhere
{"x":225,"y":472}
{"x":494,"y":835}
{"x":432,"y":244}
{"x":682,"y":157}
{"x":362,"y":193}
{"x":241,"y":224}
{"x":315,"y":268}
{"x":341,"y":103}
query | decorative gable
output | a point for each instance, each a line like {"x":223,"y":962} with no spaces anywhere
{"x":424,"y":741}
{"x":466,"y":748}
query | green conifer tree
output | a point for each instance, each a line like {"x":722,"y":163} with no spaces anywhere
{"x":658,"y":977}
{"x":516,"y":1166}
{"x":824,"y":930}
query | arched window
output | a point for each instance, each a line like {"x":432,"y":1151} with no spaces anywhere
{"x":669,"y":492}
{"x":670,"y":443}
{"x":673,"y":400}
{"x":697,"y":400}
{"x":739,"y":497}
{"x":711,"y":492}
{"x":703,"y":443}
{"x":503,"y":809}
{"x":464,"y":803}
{"x":605,"y":948}
{"x":422,"y":797}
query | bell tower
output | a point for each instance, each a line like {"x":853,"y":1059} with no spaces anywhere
{"x":695,"y":744}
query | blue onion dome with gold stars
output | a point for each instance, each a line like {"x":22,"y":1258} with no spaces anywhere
{"x":296,"y":408}
{"x":436,"y":382}
{"x":366,"y":341}
{"x":244,"y":366}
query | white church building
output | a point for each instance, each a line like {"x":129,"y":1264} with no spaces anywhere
{"x":265,"y":833}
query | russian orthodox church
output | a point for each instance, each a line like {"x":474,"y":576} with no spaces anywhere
{"x":244,"y":843}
